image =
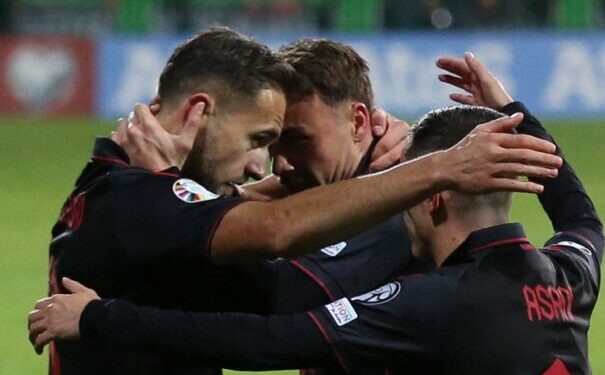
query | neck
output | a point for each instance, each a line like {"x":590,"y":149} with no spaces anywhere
{"x":452,"y":233}
{"x":363,"y":158}
{"x":169,"y":120}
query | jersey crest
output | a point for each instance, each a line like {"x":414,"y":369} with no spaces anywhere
{"x":190,"y":191}
{"x":381,"y":295}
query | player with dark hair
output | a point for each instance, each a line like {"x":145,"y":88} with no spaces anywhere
{"x":492,"y":293}
{"x":327,"y":138}
{"x":139,"y":235}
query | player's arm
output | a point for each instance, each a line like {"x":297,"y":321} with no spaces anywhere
{"x":234,"y":340}
{"x":564,"y":198}
{"x":403,"y":320}
{"x":483,"y":161}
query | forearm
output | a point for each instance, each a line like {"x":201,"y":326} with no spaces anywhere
{"x":564,"y":198}
{"x":239,"y":341}
{"x":321,"y":216}
{"x":269,"y":186}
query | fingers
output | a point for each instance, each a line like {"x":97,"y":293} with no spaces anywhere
{"x":455,"y":66}
{"x":391,"y":157}
{"x":477,"y":67}
{"x":135,"y":140}
{"x":501,"y":125}
{"x":35,"y":329}
{"x":464,"y":99}
{"x":74,"y":286}
{"x":36,"y":324}
{"x":531,"y":157}
{"x":378,"y":121}
{"x":41,"y":340}
{"x":389,"y":148}
{"x":455,"y":81}
{"x":119,"y":136}
{"x":524,"y":141}
{"x":518,"y":186}
{"x":44,"y":302}
{"x":514,"y":170}
{"x":144,"y":118}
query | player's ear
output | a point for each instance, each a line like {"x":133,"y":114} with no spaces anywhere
{"x":437,"y":209}
{"x":155,"y":105}
{"x":199,"y":107}
{"x":360,"y":117}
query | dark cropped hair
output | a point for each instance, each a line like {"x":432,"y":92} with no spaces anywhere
{"x":442,"y":128}
{"x":239,"y":65}
{"x":333,"y":70}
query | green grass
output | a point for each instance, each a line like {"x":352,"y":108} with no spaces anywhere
{"x":40,"y":159}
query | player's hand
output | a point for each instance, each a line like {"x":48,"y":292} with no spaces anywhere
{"x":491,"y":159}
{"x":472,"y":76}
{"x":393,"y":139}
{"x":149,"y":145}
{"x":58,"y":317}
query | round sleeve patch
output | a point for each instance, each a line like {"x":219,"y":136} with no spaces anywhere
{"x":190,"y":191}
{"x":381,"y":295}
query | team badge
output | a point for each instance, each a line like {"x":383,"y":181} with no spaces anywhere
{"x":342,"y":311}
{"x":191,"y":192}
{"x":334,"y":250}
{"x":381,"y":295}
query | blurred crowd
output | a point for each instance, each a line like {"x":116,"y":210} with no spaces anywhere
{"x":170,"y":16}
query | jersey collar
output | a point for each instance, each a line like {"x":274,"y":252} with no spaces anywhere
{"x":488,"y":238}
{"x":107,"y":150}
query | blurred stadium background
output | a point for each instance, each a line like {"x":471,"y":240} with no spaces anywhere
{"x":69,"y":67}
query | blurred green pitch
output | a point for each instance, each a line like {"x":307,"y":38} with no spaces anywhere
{"x":40,"y":160}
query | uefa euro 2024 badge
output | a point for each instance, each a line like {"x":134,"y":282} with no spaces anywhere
{"x":191,"y":192}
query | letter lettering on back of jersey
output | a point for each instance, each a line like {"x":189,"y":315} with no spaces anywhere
{"x":548,"y":302}
{"x":531,"y":301}
{"x":545,"y":305}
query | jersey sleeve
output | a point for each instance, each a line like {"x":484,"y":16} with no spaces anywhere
{"x":231,"y":340}
{"x":400,"y":324}
{"x":158,"y":215}
{"x":287,"y":289}
{"x":564,"y":199}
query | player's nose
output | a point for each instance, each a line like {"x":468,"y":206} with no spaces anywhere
{"x":281,"y":164}
{"x":255,"y":168}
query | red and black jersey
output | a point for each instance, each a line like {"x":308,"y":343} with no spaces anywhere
{"x":498,"y":304}
{"x":130,"y":233}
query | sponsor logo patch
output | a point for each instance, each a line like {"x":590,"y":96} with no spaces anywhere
{"x":342,"y":312}
{"x":334,"y":250}
{"x":191,"y":192}
{"x":381,"y":295}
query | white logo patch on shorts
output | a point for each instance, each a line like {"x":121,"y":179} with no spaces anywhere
{"x":334,"y":250}
{"x":191,"y":192}
{"x":342,"y":312}
{"x":381,"y":295}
